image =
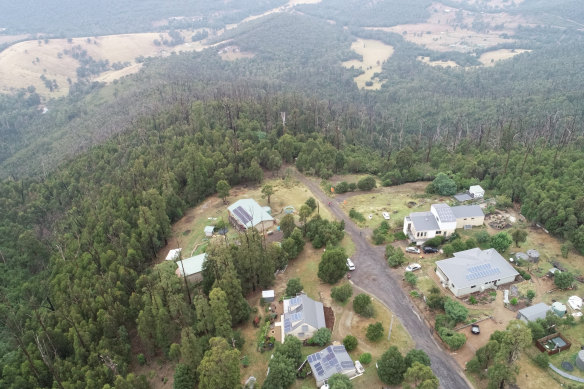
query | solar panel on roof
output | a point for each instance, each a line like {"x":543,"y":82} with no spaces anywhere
{"x":347,"y":364}
{"x":339,"y":369}
{"x":318,"y":356}
{"x":338,"y":349}
{"x":243,"y":215}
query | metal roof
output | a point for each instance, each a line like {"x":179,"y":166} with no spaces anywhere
{"x":331,"y":360}
{"x":534,"y":312}
{"x":302,"y":310}
{"x":444,"y":213}
{"x":476,"y":189}
{"x":192,"y":265}
{"x":424,"y":221}
{"x":475,"y":267}
{"x":249,"y":212}
{"x":463,"y":211}
{"x":462,"y":197}
{"x":173,"y":254}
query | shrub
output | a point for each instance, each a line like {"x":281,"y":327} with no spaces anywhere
{"x":333,"y":265}
{"x":391,"y":367}
{"x":365,"y":358}
{"x":414,"y":294}
{"x":443,"y":321}
{"x":342,"y":187}
{"x":374,"y":331}
{"x":245,"y":361}
{"x":395,"y":256}
{"x":513,"y":301}
{"x":524,"y":274}
{"x":400,"y":235}
{"x":321,"y":337}
{"x":311,"y":202}
{"x":435,"y":241}
{"x":530,"y":294}
{"x":563,"y":280}
{"x":356,"y":215}
{"x":443,"y":185}
{"x":542,"y":360}
{"x":362,"y":305}
{"x":503,"y":202}
{"x":141,"y":359}
{"x":482,"y":236}
{"x":350,"y":342}
{"x":448,"y":250}
{"x":455,"y":310}
{"x":453,"y":339}
{"x":501,"y":241}
{"x":435,"y":300}
{"x":416,"y":355}
{"x":366,"y":183}
{"x":411,"y":278}
{"x":293,"y":287}
{"x":472,"y":300}
{"x":342,"y":293}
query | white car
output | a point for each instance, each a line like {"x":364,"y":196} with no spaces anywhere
{"x":350,"y":264}
{"x":414,"y":267}
{"x":412,"y":249}
{"x":385,"y":215}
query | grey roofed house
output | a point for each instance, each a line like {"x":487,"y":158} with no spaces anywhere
{"x":444,"y":213}
{"x":302,"y":317}
{"x":462,"y":197}
{"x":248,"y":213}
{"x":534,"y":312}
{"x":193,"y":266}
{"x":463,"y":211}
{"x":331,"y":360}
{"x":475,"y":270}
{"x":424,"y":221}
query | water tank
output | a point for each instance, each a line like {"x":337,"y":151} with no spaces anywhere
{"x":522,"y":257}
{"x":533,"y":255}
{"x":559,"y":309}
{"x":580,"y":360}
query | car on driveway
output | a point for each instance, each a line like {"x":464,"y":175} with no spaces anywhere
{"x":413,"y":267}
{"x":475,"y":329}
{"x":385,"y":215}
{"x":350,"y":264}
{"x":412,"y":249}
{"x":430,"y":250}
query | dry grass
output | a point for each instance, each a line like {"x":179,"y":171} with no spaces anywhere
{"x":374,"y":54}
{"x":232,"y":53}
{"x":491,"y":57}
{"x":444,"y":64}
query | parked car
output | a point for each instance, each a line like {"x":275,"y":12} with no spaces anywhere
{"x":430,"y":250}
{"x":475,"y":329}
{"x":412,"y":249}
{"x":413,"y":267}
{"x":385,"y":215}
{"x":350,"y":264}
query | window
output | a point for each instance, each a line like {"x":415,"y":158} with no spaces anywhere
{"x":474,"y":286}
{"x":465,"y":218}
{"x":472,"y":218}
{"x":438,"y":232}
{"x":305,"y":328}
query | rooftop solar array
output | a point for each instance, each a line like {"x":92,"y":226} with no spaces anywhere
{"x":287,"y":326}
{"x":338,"y":349}
{"x":295,"y":316}
{"x":319,"y":369}
{"x":347,"y":364}
{"x":242,"y":215}
{"x":295,"y":301}
{"x":444,"y":213}
{"x":480,"y":271}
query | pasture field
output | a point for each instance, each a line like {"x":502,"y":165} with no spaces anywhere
{"x":374,"y":54}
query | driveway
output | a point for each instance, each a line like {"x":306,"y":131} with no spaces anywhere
{"x":374,"y":276}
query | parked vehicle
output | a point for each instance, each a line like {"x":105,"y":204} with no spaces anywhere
{"x":430,"y":250}
{"x":475,"y":329}
{"x":350,"y":264}
{"x":413,"y":267}
{"x":385,"y":215}
{"x":412,"y":249}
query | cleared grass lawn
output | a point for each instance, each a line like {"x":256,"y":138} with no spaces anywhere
{"x":393,"y":199}
{"x":575,"y":335}
{"x":374,"y":53}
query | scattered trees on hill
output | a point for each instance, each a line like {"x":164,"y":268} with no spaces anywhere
{"x":363,"y":306}
{"x":219,"y":368}
{"x":391,"y":367}
{"x":374,"y":331}
{"x":342,"y":293}
{"x":563,"y":280}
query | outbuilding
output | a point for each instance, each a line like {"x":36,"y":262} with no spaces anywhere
{"x":534,"y":312}
{"x":191,"y":268}
{"x":209,"y":231}
{"x":476,"y":191}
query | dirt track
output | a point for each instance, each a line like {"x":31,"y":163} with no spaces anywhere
{"x":374,"y":276}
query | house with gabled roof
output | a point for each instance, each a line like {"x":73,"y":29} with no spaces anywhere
{"x":533,"y":312}
{"x":302,"y":317}
{"x":474,"y":270}
{"x":247,"y":213}
{"x":331,"y":360}
{"x":442,"y":220}
{"x":191,"y":268}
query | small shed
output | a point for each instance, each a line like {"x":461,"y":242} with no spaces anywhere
{"x":209,"y":231}
{"x":580,"y":360}
{"x":268,"y":295}
{"x":522,"y":257}
{"x":173,"y":254}
{"x":476,"y":191}
{"x":533,"y":255}
{"x":559,"y":309}
{"x":553,"y":271}
{"x":534,"y":312}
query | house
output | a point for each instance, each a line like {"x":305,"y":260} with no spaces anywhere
{"x":209,"y":231}
{"x":173,"y":254}
{"x":268,"y":295}
{"x":441,"y":220}
{"x":476,"y":191}
{"x":302,"y":317}
{"x":191,"y":268}
{"x":247,"y":213}
{"x":534,"y":312}
{"x":474,"y":270}
{"x":331,"y":360}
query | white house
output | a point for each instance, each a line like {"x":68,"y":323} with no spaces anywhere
{"x":441,"y":220}
{"x":476,"y":191}
{"x":302,"y":317}
{"x":247,"y":213}
{"x":173,"y":254}
{"x":191,"y":268}
{"x":331,"y":360}
{"x":474,"y":270}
